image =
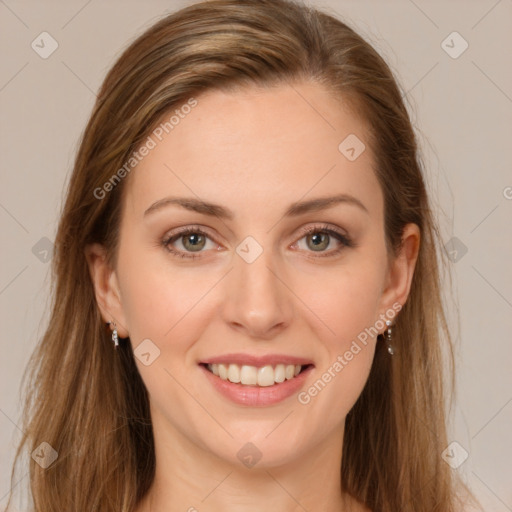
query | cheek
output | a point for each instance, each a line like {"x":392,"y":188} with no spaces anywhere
{"x":339,"y":381}
{"x":154,"y":297}
{"x":167,"y":304}
{"x":336,"y":388}
{"x":347,"y":300}
{"x":347,"y":304}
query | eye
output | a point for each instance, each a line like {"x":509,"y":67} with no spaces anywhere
{"x":193,"y":240}
{"x":319,"y":238}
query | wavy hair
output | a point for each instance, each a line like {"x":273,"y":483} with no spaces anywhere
{"x":89,"y":402}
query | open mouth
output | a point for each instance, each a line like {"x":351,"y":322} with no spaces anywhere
{"x":263,"y":376}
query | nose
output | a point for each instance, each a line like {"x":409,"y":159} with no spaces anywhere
{"x":258,"y":303}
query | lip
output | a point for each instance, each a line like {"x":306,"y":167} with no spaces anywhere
{"x":256,"y":396}
{"x":258,"y":361}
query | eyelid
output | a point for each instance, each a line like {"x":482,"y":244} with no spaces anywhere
{"x":181,"y":232}
{"x":333,"y":231}
{"x":339,"y":234}
{"x":323,"y":227}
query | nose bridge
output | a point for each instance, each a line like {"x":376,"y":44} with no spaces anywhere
{"x":256,"y":300}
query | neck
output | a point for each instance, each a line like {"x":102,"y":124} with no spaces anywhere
{"x":191,"y":478}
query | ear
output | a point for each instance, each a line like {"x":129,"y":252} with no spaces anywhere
{"x":401,"y":269}
{"x":106,"y":287}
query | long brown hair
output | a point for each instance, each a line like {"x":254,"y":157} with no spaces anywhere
{"x":89,"y":403}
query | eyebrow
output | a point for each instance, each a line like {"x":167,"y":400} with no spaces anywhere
{"x":294,"y":210}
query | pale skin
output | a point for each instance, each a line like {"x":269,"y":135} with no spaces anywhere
{"x":254,"y":152}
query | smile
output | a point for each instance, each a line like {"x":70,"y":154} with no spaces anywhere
{"x":246,"y":375}
{"x":263,"y":383}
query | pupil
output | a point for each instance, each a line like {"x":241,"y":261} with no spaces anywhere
{"x":194,"y":240}
{"x":318,"y":240}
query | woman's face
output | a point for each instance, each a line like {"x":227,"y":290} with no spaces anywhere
{"x":248,"y":287}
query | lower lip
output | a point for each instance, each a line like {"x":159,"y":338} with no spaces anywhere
{"x":255,"y":396}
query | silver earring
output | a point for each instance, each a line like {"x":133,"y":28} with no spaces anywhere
{"x":115,"y":337}
{"x":391,"y":350}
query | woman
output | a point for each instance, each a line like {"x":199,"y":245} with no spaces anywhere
{"x":247,"y":216}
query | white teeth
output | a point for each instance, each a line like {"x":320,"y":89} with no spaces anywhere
{"x":249,"y":375}
{"x":279,"y":373}
{"x":252,"y":375}
{"x":266,"y":376}
{"x":223,"y":371}
{"x":234,"y":373}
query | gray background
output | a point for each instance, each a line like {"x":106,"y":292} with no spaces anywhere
{"x":462,"y":108}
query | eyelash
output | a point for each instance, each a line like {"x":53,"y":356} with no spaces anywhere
{"x":325,"y":229}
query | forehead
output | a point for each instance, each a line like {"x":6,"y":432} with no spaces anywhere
{"x":256,"y":146}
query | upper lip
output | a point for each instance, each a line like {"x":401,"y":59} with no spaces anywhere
{"x":258,"y":361}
